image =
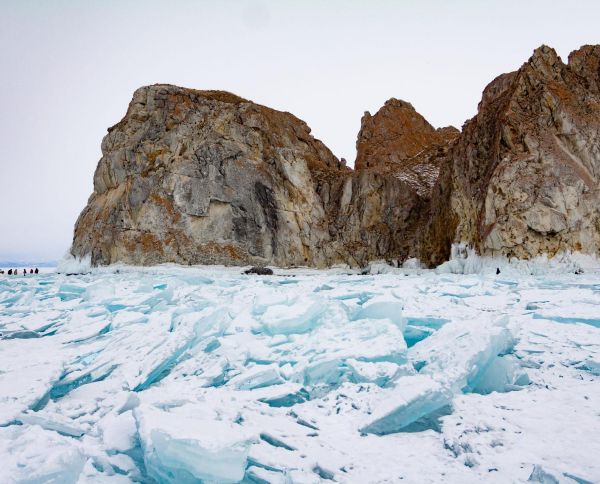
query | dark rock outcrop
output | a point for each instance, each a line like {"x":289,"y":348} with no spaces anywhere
{"x":204,"y":177}
{"x":259,"y":271}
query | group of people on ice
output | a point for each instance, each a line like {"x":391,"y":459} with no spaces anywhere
{"x":15,"y":272}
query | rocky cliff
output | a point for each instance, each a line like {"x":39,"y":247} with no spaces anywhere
{"x":203,"y":177}
{"x":524,"y":175}
{"x":208,"y":177}
{"x":380,"y":209}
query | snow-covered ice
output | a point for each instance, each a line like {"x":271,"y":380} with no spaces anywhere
{"x":172,"y":374}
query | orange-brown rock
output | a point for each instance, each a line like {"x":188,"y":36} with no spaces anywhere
{"x":397,"y":134}
{"x":400,"y":142}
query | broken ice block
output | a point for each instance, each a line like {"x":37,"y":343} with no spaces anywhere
{"x":503,"y":374}
{"x":460,"y":352}
{"x":411,"y":398}
{"x":257,"y":377}
{"x":183,"y":445}
{"x":383,"y":307}
{"x":299,"y":317}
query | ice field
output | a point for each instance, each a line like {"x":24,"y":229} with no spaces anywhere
{"x":173,"y":374}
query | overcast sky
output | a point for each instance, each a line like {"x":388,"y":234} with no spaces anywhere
{"x":68,"y":70}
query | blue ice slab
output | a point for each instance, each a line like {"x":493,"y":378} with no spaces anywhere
{"x":382,"y":309}
{"x":104,"y":330}
{"x":324,"y":287}
{"x":323,"y":473}
{"x":538,"y":474}
{"x":258,"y":378}
{"x":62,"y":428}
{"x":327,"y":371}
{"x":419,"y":328}
{"x":67,"y":292}
{"x":414,"y":334}
{"x":413,"y":399}
{"x":23,"y":334}
{"x":288,"y":400}
{"x":577,"y":479}
{"x":595,"y":322}
{"x":428,"y":322}
{"x":275,"y":442}
{"x":590,"y":366}
{"x":430,"y":421}
{"x":259,"y":475}
{"x":182,"y":447}
{"x":362,"y":297}
{"x":212,"y":345}
{"x":300,"y":317}
{"x":65,"y":386}
{"x":9,"y":301}
{"x":163,"y":369}
{"x":114,"y":307}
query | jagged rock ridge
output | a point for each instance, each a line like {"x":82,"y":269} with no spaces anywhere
{"x":208,"y":177}
{"x":524,"y":176}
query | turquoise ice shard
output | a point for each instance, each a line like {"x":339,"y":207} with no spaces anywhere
{"x":257,"y":377}
{"x":457,"y":356}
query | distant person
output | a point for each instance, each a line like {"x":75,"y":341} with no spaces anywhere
{"x":10,"y":272}
{"x":497,"y":270}
{"x":31,"y":271}
{"x":36,"y":270}
{"x":24,"y":272}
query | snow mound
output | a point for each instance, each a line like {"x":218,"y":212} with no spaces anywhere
{"x":74,"y":265}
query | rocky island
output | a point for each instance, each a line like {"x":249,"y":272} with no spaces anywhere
{"x":207,"y":177}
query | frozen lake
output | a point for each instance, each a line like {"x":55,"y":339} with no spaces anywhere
{"x":187,"y":374}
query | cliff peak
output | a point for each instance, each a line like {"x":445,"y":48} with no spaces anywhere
{"x":395,"y":133}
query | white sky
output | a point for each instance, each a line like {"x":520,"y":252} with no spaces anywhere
{"x":68,"y":70}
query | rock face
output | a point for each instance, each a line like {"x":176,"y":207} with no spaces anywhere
{"x":206,"y":177}
{"x":524,"y":176}
{"x":201,"y":177}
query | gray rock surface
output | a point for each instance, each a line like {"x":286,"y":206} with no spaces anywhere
{"x":206,"y":177}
